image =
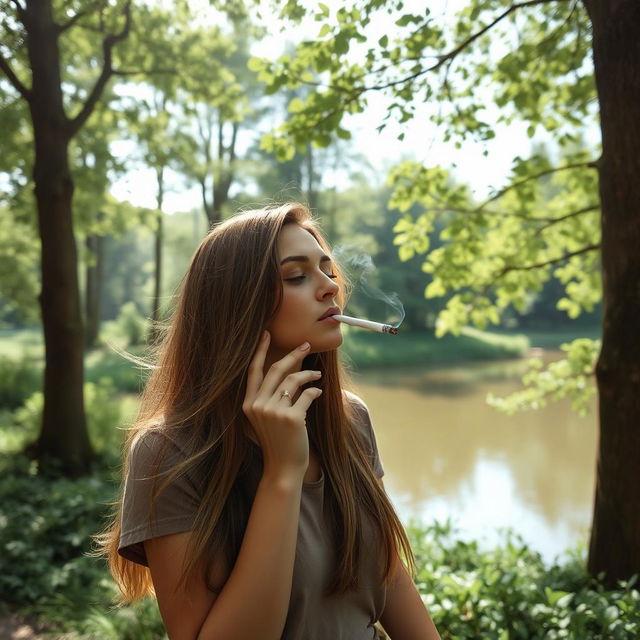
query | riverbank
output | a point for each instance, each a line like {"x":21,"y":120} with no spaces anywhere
{"x":361,"y":349}
{"x":367,"y":350}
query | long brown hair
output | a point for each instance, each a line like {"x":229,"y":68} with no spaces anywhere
{"x":231,"y":290}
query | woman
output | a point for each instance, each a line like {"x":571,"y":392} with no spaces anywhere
{"x":252,"y":504}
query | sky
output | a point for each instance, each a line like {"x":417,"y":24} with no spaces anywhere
{"x":423,"y":140}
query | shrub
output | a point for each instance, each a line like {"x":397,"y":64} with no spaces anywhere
{"x":126,"y":376}
{"x":20,"y":378}
{"x":46,"y":526}
{"x":103,"y":415}
{"x":130,"y":324}
{"x":509,"y":594}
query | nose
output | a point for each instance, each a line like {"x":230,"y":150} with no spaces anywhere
{"x":328,"y":287}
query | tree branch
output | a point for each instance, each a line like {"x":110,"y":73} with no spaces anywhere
{"x":461,"y":47}
{"x":13,"y":79}
{"x":107,"y":71}
{"x":539,"y":265}
{"x":590,"y":165}
{"x":136,"y":72}
{"x":551,"y":221}
{"x":80,"y":14}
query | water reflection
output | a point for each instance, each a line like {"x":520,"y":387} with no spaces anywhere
{"x":447,"y":454}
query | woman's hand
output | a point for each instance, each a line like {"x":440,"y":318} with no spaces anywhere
{"x":279,"y":423}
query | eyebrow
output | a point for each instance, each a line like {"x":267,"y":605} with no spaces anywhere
{"x":303,"y":259}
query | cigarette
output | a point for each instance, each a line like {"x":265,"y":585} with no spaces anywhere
{"x":367,"y":324}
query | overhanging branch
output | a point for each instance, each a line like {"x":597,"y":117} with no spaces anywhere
{"x":449,"y":57}
{"x":547,"y":263}
{"x":514,"y":185}
{"x":551,"y":221}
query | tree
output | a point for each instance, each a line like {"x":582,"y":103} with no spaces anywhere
{"x":216,"y":102}
{"x":32,"y":34}
{"x":497,"y":251}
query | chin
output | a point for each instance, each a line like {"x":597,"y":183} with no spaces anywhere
{"x":327,"y":344}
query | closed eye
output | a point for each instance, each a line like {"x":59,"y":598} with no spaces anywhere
{"x":301,"y":278}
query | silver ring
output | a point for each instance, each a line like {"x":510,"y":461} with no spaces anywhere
{"x":285,"y":394}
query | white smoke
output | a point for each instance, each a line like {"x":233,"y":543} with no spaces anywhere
{"x":361,"y":269}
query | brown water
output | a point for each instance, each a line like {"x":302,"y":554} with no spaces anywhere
{"x":447,"y":454}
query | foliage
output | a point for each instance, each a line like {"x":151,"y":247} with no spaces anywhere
{"x":108,"y":363}
{"x":18,"y":267}
{"x":568,"y":377}
{"x":130,"y":324}
{"x":531,"y":60}
{"x":509,"y":593}
{"x":46,"y":526}
{"x":363,"y":349}
{"x":103,"y":416}
{"x":44,"y":529}
{"x":20,"y":378}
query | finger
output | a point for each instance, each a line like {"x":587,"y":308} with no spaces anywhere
{"x":255,"y":372}
{"x":293,"y":382}
{"x":282,"y":368}
{"x":306,"y":398}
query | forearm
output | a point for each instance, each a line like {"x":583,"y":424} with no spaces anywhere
{"x":255,"y":598}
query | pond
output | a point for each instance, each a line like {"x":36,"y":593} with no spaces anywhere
{"x":449,"y":455}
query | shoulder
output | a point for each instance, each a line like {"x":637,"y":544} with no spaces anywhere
{"x":358,"y":414}
{"x":154,"y":451}
{"x":356,"y":406}
{"x":354,"y":400}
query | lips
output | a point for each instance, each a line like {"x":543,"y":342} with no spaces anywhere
{"x":329,"y":312}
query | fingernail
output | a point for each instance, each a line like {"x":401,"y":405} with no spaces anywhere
{"x":304,"y":346}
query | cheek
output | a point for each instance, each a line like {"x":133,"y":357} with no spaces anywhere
{"x":291,"y":311}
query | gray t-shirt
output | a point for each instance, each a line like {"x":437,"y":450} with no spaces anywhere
{"x":312,"y":615}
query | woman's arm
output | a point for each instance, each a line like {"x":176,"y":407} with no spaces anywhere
{"x":254,"y":600}
{"x":405,"y":616}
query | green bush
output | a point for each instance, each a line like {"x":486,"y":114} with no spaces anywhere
{"x":126,"y":376}
{"x":103,"y":412}
{"x":18,"y":380}
{"x":366,"y":349}
{"x":46,"y":526}
{"x":509,"y":594}
{"x":130,"y":324}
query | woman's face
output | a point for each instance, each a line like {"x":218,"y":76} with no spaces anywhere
{"x":308,"y":292}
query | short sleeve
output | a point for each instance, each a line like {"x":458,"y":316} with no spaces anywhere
{"x":151,"y":458}
{"x":365,"y":428}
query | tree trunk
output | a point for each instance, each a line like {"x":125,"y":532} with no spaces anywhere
{"x":615,"y":536}
{"x":312,"y":192}
{"x":93,"y":294}
{"x":64,"y":434}
{"x":157,"y":284}
{"x":226,"y":171}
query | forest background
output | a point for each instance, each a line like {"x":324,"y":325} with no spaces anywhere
{"x":92,"y":93}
